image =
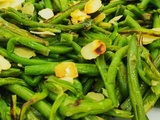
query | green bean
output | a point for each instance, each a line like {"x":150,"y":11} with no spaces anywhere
{"x":110,"y":10}
{"x":126,"y":105}
{"x":156,"y":3}
{"x":59,"y":99}
{"x":127,"y":74}
{"x":29,"y":23}
{"x":63,"y":4}
{"x":98,"y":85}
{"x":10,"y":30}
{"x":3,"y":109}
{"x":144,"y":4}
{"x":99,"y":29}
{"x":87,"y":85}
{"x":157,"y":61}
{"x":121,"y":113}
{"x":133,"y":83}
{"x":113,"y":4}
{"x":156,"y":19}
{"x":114,"y":33}
{"x":48,"y":4}
{"x":48,"y":68}
{"x":84,"y":107}
{"x":57,"y":4}
{"x":31,"y":81}
{"x":60,"y":49}
{"x":132,"y":22}
{"x":138,"y":12}
{"x":52,"y":82}
{"x":149,"y":100}
{"x":146,"y":56}
{"x":12,"y":72}
{"x":66,"y":13}
{"x":110,"y":75}
{"x":34,"y":99}
{"x":122,"y":80}
{"x":140,"y":69}
{"x":13,"y":106}
{"x":26,"y":94}
{"x":27,"y":42}
{"x":11,"y":80}
{"x":149,"y":73}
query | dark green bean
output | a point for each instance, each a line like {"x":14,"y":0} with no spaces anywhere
{"x":26,"y":94}
{"x":133,"y":83}
{"x":109,"y":78}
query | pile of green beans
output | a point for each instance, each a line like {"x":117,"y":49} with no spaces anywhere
{"x":127,"y":74}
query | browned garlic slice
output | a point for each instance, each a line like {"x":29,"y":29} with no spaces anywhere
{"x":93,"y":49}
{"x":4,"y":63}
{"x":66,"y":71}
{"x":92,"y":6}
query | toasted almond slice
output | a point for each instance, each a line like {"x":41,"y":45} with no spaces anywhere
{"x":45,"y":33}
{"x":78,"y":16}
{"x":115,"y":19}
{"x":95,"y":96}
{"x":46,"y":13}
{"x":24,"y":52}
{"x":93,"y":49}
{"x":16,"y":3}
{"x":28,"y":8}
{"x":92,"y":6}
{"x":4,"y":63}
{"x":100,"y":17}
{"x":10,"y":3}
{"x":4,"y":4}
{"x":147,"y":39}
{"x":66,"y":69}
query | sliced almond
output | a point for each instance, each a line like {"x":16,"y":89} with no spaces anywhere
{"x":147,"y":39}
{"x":100,"y":17}
{"x":46,"y":13}
{"x":4,"y":63}
{"x":66,"y":70}
{"x":95,"y":96}
{"x":93,"y":49}
{"x":24,"y":52}
{"x":28,"y":8}
{"x":78,"y":16}
{"x":11,"y":3}
{"x":92,"y":6}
